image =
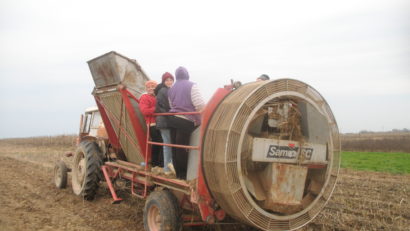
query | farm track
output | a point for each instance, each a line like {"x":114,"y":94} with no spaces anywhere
{"x":30,"y":201}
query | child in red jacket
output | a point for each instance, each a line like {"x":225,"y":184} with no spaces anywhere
{"x":147,"y":107}
{"x":148,"y":101}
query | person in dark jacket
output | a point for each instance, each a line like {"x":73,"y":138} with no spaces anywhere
{"x":162,"y":106}
{"x":184,"y":96}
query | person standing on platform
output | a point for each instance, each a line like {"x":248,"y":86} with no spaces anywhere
{"x":162,"y":106}
{"x":184,"y":96}
{"x":147,"y":107}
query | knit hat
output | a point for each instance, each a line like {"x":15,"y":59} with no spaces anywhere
{"x":167,"y":75}
{"x":264,"y":77}
{"x":181,"y":73}
{"x":151,"y":83}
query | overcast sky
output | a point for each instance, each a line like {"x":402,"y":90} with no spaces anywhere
{"x":355,"y":53}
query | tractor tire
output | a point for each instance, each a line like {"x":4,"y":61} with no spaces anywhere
{"x":161,"y":212}
{"x":60,"y":174}
{"x":86,"y":173}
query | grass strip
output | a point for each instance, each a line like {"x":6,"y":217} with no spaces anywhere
{"x":397,"y":163}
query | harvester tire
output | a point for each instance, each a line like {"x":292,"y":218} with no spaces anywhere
{"x":60,"y":174}
{"x":87,"y":170}
{"x":161,"y":212}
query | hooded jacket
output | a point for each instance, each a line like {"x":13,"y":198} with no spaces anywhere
{"x":180,"y":95}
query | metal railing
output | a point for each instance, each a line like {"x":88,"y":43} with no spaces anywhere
{"x":150,"y":143}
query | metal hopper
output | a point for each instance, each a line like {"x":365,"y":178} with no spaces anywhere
{"x":120,"y":81}
{"x":112,"y":69}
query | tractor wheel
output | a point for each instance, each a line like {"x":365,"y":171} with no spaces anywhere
{"x":161,"y":212}
{"x":87,"y":170}
{"x":60,"y":174}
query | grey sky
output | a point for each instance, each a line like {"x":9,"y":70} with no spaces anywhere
{"x":355,"y":53}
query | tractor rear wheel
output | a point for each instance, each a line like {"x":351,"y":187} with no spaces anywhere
{"x":60,"y":174}
{"x":87,"y":170}
{"x":161,"y":212}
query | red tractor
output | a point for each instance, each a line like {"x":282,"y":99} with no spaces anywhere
{"x":267,"y":153}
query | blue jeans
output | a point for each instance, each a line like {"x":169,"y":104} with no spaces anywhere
{"x":166,"y":138}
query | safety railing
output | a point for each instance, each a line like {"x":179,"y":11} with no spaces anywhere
{"x":150,"y":143}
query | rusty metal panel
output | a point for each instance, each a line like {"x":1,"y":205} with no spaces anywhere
{"x":284,"y":183}
{"x":287,"y":151}
{"x":112,"y":69}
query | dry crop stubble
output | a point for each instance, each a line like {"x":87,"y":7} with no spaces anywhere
{"x":368,"y":201}
{"x":361,"y":200}
{"x":39,"y":150}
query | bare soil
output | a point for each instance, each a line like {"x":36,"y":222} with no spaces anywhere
{"x":30,"y":201}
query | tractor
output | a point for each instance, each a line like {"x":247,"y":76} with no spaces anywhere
{"x":267,"y":153}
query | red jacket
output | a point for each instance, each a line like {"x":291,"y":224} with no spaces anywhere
{"x":147,"y":107}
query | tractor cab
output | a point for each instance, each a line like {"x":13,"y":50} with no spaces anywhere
{"x":91,"y":124}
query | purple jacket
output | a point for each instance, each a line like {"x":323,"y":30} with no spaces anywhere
{"x":180,"y":95}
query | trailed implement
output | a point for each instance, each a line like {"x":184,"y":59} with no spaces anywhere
{"x":267,"y":153}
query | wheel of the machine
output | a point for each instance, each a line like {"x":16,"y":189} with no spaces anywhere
{"x":60,"y":174}
{"x":86,"y":173}
{"x":161,"y":212}
{"x":271,"y":154}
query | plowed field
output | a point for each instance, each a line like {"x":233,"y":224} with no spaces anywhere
{"x":30,"y":201}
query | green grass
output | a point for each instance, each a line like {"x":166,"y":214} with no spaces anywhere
{"x":397,"y":163}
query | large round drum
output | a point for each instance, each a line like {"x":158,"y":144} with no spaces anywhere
{"x":271,"y":154}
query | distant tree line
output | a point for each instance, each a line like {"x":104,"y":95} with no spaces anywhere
{"x":52,"y":141}
{"x":393,"y":130}
{"x":394,"y":141}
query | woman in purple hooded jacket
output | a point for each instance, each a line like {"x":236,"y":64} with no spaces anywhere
{"x":184,"y":96}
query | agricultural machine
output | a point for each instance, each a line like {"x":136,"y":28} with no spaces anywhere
{"x":267,"y":153}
